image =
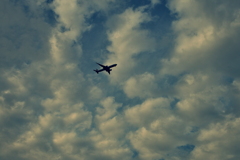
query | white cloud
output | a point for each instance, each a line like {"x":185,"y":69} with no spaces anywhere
{"x":108,"y":111}
{"x":219,"y":141}
{"x":113,"y":128}
{"x":45,"y":96}
{"x":108,"y":148}
{"x":71,"y":146}
{"x":147,"y":112}
{"x":95,"y":93}
{"x":50,"y":110}
{"x":110,"y":131}
{"x":154,"y":2}
{"x":151,"y":145}
{"x":141,"y":86}
{"x":204,"y":54}
{"x":128,"y":40}
{"x":203,"y":38}
{"x":159,"y":129}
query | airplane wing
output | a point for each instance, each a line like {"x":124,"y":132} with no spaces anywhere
{"x":100,"y":65}
{"x":113,"y":65}
{"x":100,"y":70}
{"x":108,"y":71}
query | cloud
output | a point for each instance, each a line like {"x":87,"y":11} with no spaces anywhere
{"x":154,"y":2}
{"x":127,"y":40}
{"x":147,"y":112}
{"x":203,"y":41}
{"x":181,"y":103}
{"x":20,"y":35}
{"x":141,"y":86}
{"x":202,"y":54}
{"x":219,"y":141}
{"x":108,"y":111}
{"x":159,"y":130}
{"x":41,"y":96}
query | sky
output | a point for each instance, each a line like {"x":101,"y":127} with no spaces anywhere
{"x":174,"y":94}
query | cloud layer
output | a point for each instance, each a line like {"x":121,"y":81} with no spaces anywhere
{"x":174,"y":94}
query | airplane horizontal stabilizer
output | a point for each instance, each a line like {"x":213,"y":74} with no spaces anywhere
{"x":96,"y":71}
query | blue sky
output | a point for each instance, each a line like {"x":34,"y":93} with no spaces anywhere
{"x":174,"y":94}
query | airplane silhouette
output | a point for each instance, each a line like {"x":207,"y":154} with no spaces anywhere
{"x":105,"y":68}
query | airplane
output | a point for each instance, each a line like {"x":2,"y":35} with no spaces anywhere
{"x":105,"y":68}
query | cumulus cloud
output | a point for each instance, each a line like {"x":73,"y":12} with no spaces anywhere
{"x":204,"y":59}
{"x":201,"y":46}
{"x":141,"y":86}
{"x":147,"y":112}
{"x":127,"y":40}
{"x":203,"y":41}
{"x":219,"y":141}
{"x":50,"y":108}
{"x":42,"y":94}
{"x":158,"y":131}
{"x":154,"y":2}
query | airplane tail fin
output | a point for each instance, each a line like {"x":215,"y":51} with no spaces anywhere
{"x":96,"y":71}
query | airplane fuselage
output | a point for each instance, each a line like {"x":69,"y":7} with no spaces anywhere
{"x":105,"y":68}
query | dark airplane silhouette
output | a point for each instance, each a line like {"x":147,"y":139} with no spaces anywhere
{"x":105,"y":68}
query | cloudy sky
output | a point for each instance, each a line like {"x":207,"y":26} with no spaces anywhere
{"x":174,"y":95}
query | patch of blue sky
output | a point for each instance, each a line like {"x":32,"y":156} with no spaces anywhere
{"x":138,"y":3}
{"x":161,"y":17}
{"x":187,"y":148}
{"x":226,"y":105}
{"x":125,"y":101}
{"x":173,"y":103}
{"x":182,"y":152}
{"x":227,"y":80}
{"x":50,"y":17}
{"x":168,"y":80}
{"x":94,"y":42}
{"x":194,"y":129}
{"x":135,"y":154}
{"x":159,"y":28}
{"x":49,"y":1}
